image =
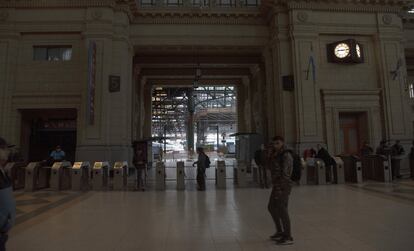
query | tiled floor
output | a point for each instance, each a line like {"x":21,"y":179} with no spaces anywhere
{"x":332,"y":217}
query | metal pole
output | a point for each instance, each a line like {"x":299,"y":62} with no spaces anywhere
{"x":218,"y":138}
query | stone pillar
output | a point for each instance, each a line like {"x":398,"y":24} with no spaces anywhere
{"x":9,"y":118}
{"x":393,"y":72}
{"x":108,"y":137}
{"x":190,"y":121}
{"x":309,"y":123}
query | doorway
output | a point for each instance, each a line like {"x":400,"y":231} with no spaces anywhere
{"x":353,"y":131}
{"x":44,"y":129}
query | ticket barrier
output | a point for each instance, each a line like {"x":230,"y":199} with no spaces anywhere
{"x":160,"y":176}
{"x":16,"y":172}
{"x":60,"y":178}
{"x":120,"y":171}
{"x":339,"y":171}
{"x":320,"y":171}
{"x":255,"y":172}
{"x":358,"y":165}
{"x":304,"y":173}
{"x":377,"y":167}
{"x":180,"y":176}
{"x":81,"y":176}
{"x":100,"y":172}
{"x":239,"y":173}
{"x":36,"y":176}
{"x":221,"y":174}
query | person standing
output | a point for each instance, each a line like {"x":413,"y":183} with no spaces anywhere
{"x":330,"y":163}
{"x":58,"y":154}
{"x":280,"y":163}
{"x":365,"y":150}
{"x":7,"y":203}
{"x":260,"y":159}
{"x":140,"y":163}
{"x":397,"y":153}
{"x":201,"y":169}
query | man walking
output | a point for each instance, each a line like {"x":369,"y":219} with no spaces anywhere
{"x":280,"y":165}
{"x":201,"y":169}
{"x":7,"y":204}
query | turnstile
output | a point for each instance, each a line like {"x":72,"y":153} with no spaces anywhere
{"x":180,"y":175}
{"x":36,"y":176}
{"x":81,"y":176}
{"x":304,"y":173}
{"x":160,"y":176}
{"x":16,"y":172}
{"x":120,"y":175}
{"x":221,"y":174}
{"x":339,"y":171}
{"x":100,"y":172}
{"x":239,"y":173}
{"x":60,"y":176}
{"x":358,"y":171}
{"x":320,"y":171}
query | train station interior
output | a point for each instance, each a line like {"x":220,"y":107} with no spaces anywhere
{"x":151,"y":125}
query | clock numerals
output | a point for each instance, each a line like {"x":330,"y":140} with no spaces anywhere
{"x":342,"y":50}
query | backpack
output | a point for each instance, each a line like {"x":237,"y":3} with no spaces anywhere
{"x":297,"y":166}
{"x":207,"y":162}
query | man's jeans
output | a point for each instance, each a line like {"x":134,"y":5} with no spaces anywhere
{"x":278,"y":209}
{"x":3,"y":240}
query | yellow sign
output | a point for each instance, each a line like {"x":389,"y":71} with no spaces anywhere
{"x":77,"y":165}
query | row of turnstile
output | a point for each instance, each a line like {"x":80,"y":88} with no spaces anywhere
{"x":347,"y":169}
{"x":64,"y":176}
{"x":84,"y":176}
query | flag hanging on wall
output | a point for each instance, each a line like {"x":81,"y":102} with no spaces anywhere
{"x":91,"y":82}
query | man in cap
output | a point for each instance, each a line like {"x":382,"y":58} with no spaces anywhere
{"x":7,"y":204}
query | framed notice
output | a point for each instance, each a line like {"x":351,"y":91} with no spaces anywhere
{"x":114,"y":83}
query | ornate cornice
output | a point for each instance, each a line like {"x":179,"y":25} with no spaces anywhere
{"x":196,"y":16}
{"x":384,"y":6}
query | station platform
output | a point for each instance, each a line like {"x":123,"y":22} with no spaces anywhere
{"x":367,"y":216}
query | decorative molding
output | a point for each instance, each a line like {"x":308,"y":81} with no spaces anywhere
{"x":302,"y":16}
{"x":4,"y":15}
{"x":387,"y":19}
{"x":97,"y":14}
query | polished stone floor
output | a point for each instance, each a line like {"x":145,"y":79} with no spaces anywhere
{"x":372,"y":216}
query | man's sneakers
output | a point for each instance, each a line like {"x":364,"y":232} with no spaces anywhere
{"x":276,"y":236}
{"x":285,"y":241}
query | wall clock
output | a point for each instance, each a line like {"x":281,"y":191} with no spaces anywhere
{"x":345,"y":52}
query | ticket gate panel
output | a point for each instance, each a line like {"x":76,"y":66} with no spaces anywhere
{"x":359,"y":171}
{"x":180,"y":176}
{"x":31,"y":176}
{"x":16,"y":172}
{"x":80,"y":176}
{"x":120,"y":175}
{"x":240,"y":170}
{"x":304,"y":173}
{"x":339,"y":171}
{"x":321,"y":171}
{"x":100,"y":172}
{"x":221,"y":174}
{"x":60,"y":176}
{"x":160,"y":176}
{"x":387,"y":170}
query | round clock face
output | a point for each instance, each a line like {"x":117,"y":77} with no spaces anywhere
{"x":342,"y":50}
{"x":358,"y":50}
